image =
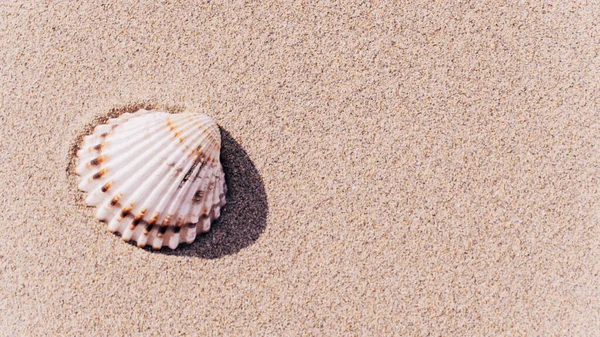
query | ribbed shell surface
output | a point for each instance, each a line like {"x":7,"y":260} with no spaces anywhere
{"x":155,"y":177}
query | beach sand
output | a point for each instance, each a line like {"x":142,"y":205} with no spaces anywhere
{"x":411,"y":169}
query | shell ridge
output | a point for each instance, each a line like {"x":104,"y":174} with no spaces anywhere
{"x":171,"y":195}
{"x":135,"y":137}
{"x":162,"y":173}
{"x":179,"y":199}
{"x":187,"y":207}
{"x":103,"y":131}
{"x":115,"y":158}
{"x":146,"y":174}
{"x":205,"y":186}
{"x":186,"y":169}
{"x":212,"y":200}
{"x":199,"y":197}
{"x":127,"y":169}
{"x":160,"y":166}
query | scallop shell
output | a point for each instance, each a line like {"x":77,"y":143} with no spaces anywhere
{"x":155,"y":178}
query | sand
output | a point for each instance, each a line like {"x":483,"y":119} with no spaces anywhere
{"x":415,"y":169}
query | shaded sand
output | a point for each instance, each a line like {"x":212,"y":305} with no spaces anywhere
{"x":414,"y":169}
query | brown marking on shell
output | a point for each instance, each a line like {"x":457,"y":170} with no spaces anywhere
{"x":167,"y":220}
{"x":172,"y":128}
{"x":141,"y":245}
{"x":115,"y":200}
{"x":147,"y":229}
{"x":137,"y":219}
{"x":164,"y":225}
{"x":198,"y":196}
{"x":104,"y":134}
{"x":154,"y":218}
{"x":127,"y":209}
{"x":207,"y":132}
{"x":181,"y":139}
{"x":98,"y":147}
{"x":179,"y":222}
{"x":141,"y":214}
{"x":99,"y":174}
{"x":97,"y":161}
{"x":191,"y":170}
{"x":161,"y":231}
{"x":106,"y":187}
{"x":177,"y":133}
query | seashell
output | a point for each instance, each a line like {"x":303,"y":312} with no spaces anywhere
{"x":155,"y":178}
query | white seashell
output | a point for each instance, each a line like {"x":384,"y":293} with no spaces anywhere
{"x":155,"y":177}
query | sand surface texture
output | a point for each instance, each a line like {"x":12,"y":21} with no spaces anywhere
{"x":410,"y":169}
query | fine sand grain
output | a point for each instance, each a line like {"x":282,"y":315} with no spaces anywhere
{"x":414,"y":169}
